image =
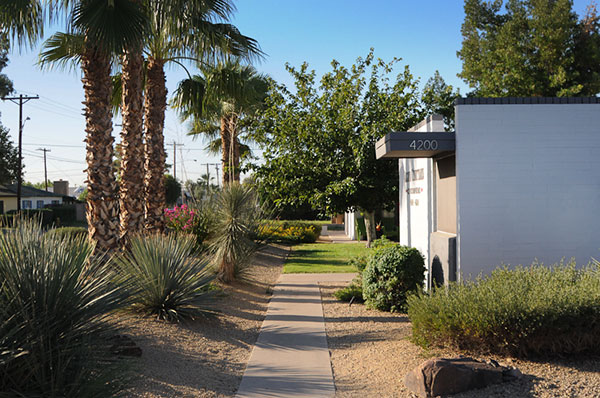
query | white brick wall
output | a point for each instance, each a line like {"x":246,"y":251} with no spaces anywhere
{"x":528,"y":184}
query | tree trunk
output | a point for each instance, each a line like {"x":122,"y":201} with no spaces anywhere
{"x":230,"y":149}
{"x":369,"y":218}
{"x":154,"y":148}
{"x":225,"y":149}
{"x":131,"y":188}
{"x":235,"y":151}
{"x":102,"y":207}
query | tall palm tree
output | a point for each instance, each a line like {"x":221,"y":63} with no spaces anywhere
{"x":101,"y":29}
{"x":182,"y":30}
{"x":220,"y":100}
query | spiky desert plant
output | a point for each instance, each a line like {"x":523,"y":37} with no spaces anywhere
{"x":54,"y":301}
{"x":238,"y":218}
{"x":166,"y":277}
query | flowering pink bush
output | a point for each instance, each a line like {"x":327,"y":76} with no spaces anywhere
{"x":181,"y":219}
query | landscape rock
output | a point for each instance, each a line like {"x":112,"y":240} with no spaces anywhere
{"x":446,"y":376}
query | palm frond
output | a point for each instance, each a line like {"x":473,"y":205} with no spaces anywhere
{"x":114,"y":25}
{"x":23,"y":20}
{"x":62,"y":51}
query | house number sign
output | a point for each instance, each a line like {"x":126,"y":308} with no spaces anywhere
{"x":424,"y":145}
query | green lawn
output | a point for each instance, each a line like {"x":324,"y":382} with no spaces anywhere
{"x":322,"y":257}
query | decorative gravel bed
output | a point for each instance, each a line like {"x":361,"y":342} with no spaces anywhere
{"x":205,"y":357}
{"x":371,"y":354}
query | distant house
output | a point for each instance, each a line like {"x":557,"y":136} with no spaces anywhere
{"x":31,"y":198}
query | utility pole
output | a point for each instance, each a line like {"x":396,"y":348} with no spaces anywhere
{"x":45,"y":169}
{"x":217,"y":167}
{"x":20,"y":100}
{"x":207,"y":180}
{"x":175,"y":145}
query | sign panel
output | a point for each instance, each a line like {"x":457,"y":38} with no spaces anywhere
{"x":414,"y":145}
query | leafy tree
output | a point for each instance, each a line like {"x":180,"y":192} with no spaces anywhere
{"x":438,"y":97}
{"x":529,"y":48}
{"x":9,"y":156}
{"x":9,"y":159}
{"x":39,"y":185}
{"x":320,"y":141}
{"x":6,"y":85}
{"x":172,"y":189}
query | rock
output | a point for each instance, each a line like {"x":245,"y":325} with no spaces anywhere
{"x":124,"y":346}
{"x":446,"y":376}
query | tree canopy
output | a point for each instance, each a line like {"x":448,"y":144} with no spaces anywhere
{"x":530,"y":48}
{"x":319,"y":141}
{"x":9,"y":156}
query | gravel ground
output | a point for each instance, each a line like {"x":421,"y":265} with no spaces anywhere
{"x":205,"y":357}
{"x":371,"y":354}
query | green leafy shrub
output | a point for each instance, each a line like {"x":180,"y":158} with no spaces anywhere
{"x":54,"y":300}
{"x":525,"y":311}
{"x":391,"y":274}
{"x":165,"y":277}
{"x":353,"y":290}
{"x":73,"y":232}
{"x":290,"y":231}
{"x":62,"y":214}
{"x":238,"y":217}
{"x":197,"y":221}
{"x":43,"y":215}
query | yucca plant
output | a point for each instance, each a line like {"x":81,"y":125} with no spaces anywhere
{"x":238,"y":217}
{"x":166,"y":277}
{"x":54,"y":300}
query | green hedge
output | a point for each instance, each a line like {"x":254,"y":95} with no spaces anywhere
{"x":525,"y":311}
{"x":67,"y":231}
{"x":290,"y":231}
{"x":391,"y":274}
{"x":45,"y":215}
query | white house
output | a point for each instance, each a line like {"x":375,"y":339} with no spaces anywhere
{"x":518,"y":181}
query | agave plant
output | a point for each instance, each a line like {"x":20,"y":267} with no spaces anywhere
{"x":166,"y":277}
{"x":238,"y":217}
{"x":54,"y":301}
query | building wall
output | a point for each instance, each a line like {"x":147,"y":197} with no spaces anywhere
{"x":349,"y":225}
{"x":47,"y":200}
{"x":528,"y":184}
{"x":10,"y":203}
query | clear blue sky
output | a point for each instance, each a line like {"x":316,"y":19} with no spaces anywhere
{"x":425,"y":34}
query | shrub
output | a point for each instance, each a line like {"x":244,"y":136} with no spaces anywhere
{"x":63,"y":214}
{"x":353,"y":290}
{"x":391,"y":273}
{"x":238,"y":218}
{"x":165,"y":277}
{"x":197,"y":221}
{"x":54,"y":300}
{"x":73,"y":232}
{"x":524,"y":311}
{"x":290,"y":231}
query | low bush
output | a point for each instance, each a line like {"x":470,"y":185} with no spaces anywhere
{"x":290,"y":231}
{"x":391,"y":274}
{"x":525,"y":311}
{"x":45,"y":216}
{"x":354,"y":290}
{"x":165,"y":277}
{"x":54,"y":300}
{"x":73,"y":232}
{"x":63,"y":214}
{"x":196,"y":221}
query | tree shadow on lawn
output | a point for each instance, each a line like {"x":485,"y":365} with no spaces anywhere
{"x":309,"y":261}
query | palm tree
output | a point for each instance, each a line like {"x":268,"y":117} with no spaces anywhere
{"x":101,"y":30}
{"x":182,"y":30}
{"x":220,"y":100}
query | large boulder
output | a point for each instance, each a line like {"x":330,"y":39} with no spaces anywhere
{"x":446,"y":376}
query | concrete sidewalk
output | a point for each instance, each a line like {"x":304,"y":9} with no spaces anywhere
{"x":291,"y":357}
{"x":334,"y":236}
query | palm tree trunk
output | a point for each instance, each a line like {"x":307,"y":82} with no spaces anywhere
{"x":225,"y":149}
{"x":154,"y":148}
{"x":235,"y":151}
{"x":131,"y":188}
{"x":102,"y":209}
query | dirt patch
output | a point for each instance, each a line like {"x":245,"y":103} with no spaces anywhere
{"x":205,"y":357}
{"x":371,"y":354}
